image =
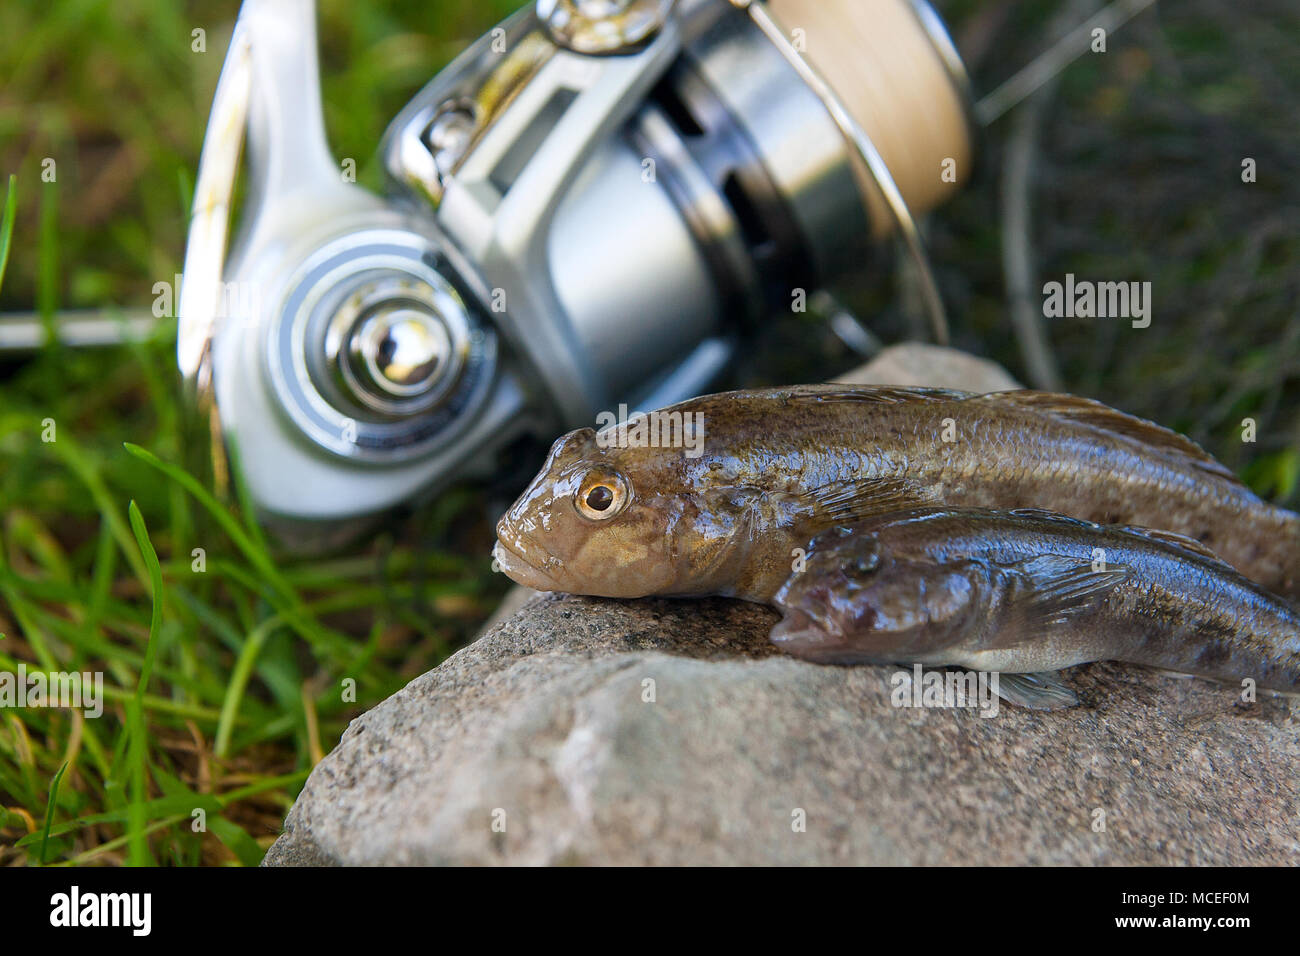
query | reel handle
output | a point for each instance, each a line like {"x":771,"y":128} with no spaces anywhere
{"x":269,"y":89}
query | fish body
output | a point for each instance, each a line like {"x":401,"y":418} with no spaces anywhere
{"x":777,"y":466}
{"x":1030,"y":591}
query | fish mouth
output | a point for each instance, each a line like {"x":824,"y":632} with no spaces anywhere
{"x":519,"y":569}
{"x":813,"y":637}
{"x":798,"y":633}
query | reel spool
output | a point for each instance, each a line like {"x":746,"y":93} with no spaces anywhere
{"x":896,"y":71}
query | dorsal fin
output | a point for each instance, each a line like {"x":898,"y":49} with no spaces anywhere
{"x":873,"y":394}
{"x":1040,"y":513}
{"x":1094,"y":414}
{"x":1180,"y":541}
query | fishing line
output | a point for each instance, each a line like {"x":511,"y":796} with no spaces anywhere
{"x":1054,"y":59}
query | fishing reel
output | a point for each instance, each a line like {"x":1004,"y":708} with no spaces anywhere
{"x":583,"y":212}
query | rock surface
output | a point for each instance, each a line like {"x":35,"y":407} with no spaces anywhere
{"x":919,"y":364}
{"x":545,"y":727}
{"x":671,"y":732}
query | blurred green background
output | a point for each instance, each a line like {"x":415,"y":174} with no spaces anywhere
{"x":225,"y":697}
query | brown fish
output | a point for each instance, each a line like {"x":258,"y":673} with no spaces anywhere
{"x":1031,"y":591}
{"x":608,"y":516}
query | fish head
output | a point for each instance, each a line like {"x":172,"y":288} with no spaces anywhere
{"x":589,"y":524}
{"x":857,"y":603}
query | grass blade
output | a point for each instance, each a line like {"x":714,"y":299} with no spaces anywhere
{"x":49,"y":812}
{"x":239,"y":681}
{"x":155,"y":581}
{"x":138,"y":847}
{"x":290,"y":604}
{"x":256,"y":556}
{"x":7,"y":224}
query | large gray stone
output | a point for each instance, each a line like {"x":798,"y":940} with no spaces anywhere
{"x":545,"y":723}
{"x":916,"y":363}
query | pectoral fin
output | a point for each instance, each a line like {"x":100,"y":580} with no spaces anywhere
{"x":1058,"y":588}
{"x":1045,"y":691}
{"x":850,"y":501}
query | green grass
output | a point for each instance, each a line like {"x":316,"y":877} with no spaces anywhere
{"x":224,"y":680}
{"x":224,"y":684}
{"x":227,"y":678}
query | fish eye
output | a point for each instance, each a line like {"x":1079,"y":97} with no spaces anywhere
{"x":864,"y":562}
{"x":601,"y":496}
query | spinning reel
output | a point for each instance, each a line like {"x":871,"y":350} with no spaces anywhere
{"x":583,"y":211}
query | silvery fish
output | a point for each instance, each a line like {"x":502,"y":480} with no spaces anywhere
{"x":756,"y":474}
{"x":1031,"y":592}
